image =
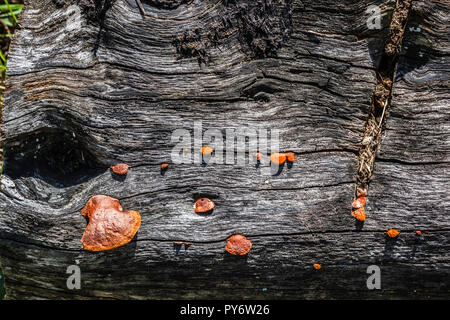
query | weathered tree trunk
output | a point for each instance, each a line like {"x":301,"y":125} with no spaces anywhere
{"x":115,"y":89}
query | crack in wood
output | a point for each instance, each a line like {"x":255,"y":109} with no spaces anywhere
{"x":271,"y":236}
{"x":381,"y":100}
{"x":141,"y":7}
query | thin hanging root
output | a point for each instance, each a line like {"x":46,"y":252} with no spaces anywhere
{"x":382,"y":115}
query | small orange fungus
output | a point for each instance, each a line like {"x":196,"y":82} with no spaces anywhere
{"x":393,"y":233}
{"x":290,"y":156}
{"x":278,"y":158}
{"x":204,"y":205}
{"x":120,"y":168}
{"x":238,"y":245}
{"x":206,"y":150}
{"x":359,"y":202}
{"x":359,"y":214}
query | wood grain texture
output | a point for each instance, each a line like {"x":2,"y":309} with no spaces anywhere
{"x":277,"y":267}
{"x":117,"y":88}
{"x":418,"y":129}
{"x":412,"y":173}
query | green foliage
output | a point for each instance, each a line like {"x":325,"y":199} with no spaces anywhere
{"x":2,"y":62}
{"x":9,"y":13}
{"x":8,"y":17}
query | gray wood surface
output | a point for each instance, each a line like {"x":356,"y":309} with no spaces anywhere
{"x":117,"y":88}
{"x":411,"y":176}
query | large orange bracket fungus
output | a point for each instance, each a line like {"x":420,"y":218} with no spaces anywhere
{"x":109,"y":226}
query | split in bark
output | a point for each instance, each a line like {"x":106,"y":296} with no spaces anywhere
{"x":382,"y":96}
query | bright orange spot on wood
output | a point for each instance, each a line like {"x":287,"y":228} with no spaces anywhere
{"x":359,"y":202}
{"x":418,"y":232}
{"x":317,"y":266}
{"x":206,"y":150}
{"x":238,"y":245}
{"x":359,"y":214}
{"x":120,"y":168}
{"x":290,"y":156}
{"x":393,"y":233}
{"x":278,"y":158}
{"x":164,"y":166}
{"x":203,"y":205}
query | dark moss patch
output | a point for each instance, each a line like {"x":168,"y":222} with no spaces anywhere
{"x":261,"y":28}
{"x":94,"y":9}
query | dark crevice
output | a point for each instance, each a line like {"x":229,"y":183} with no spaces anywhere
{"x":164,"y":4}
{"x":381,"y":100}
{"x":271,"y":236}
{"x":57,"y":157}
{"x":408,"y":163}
